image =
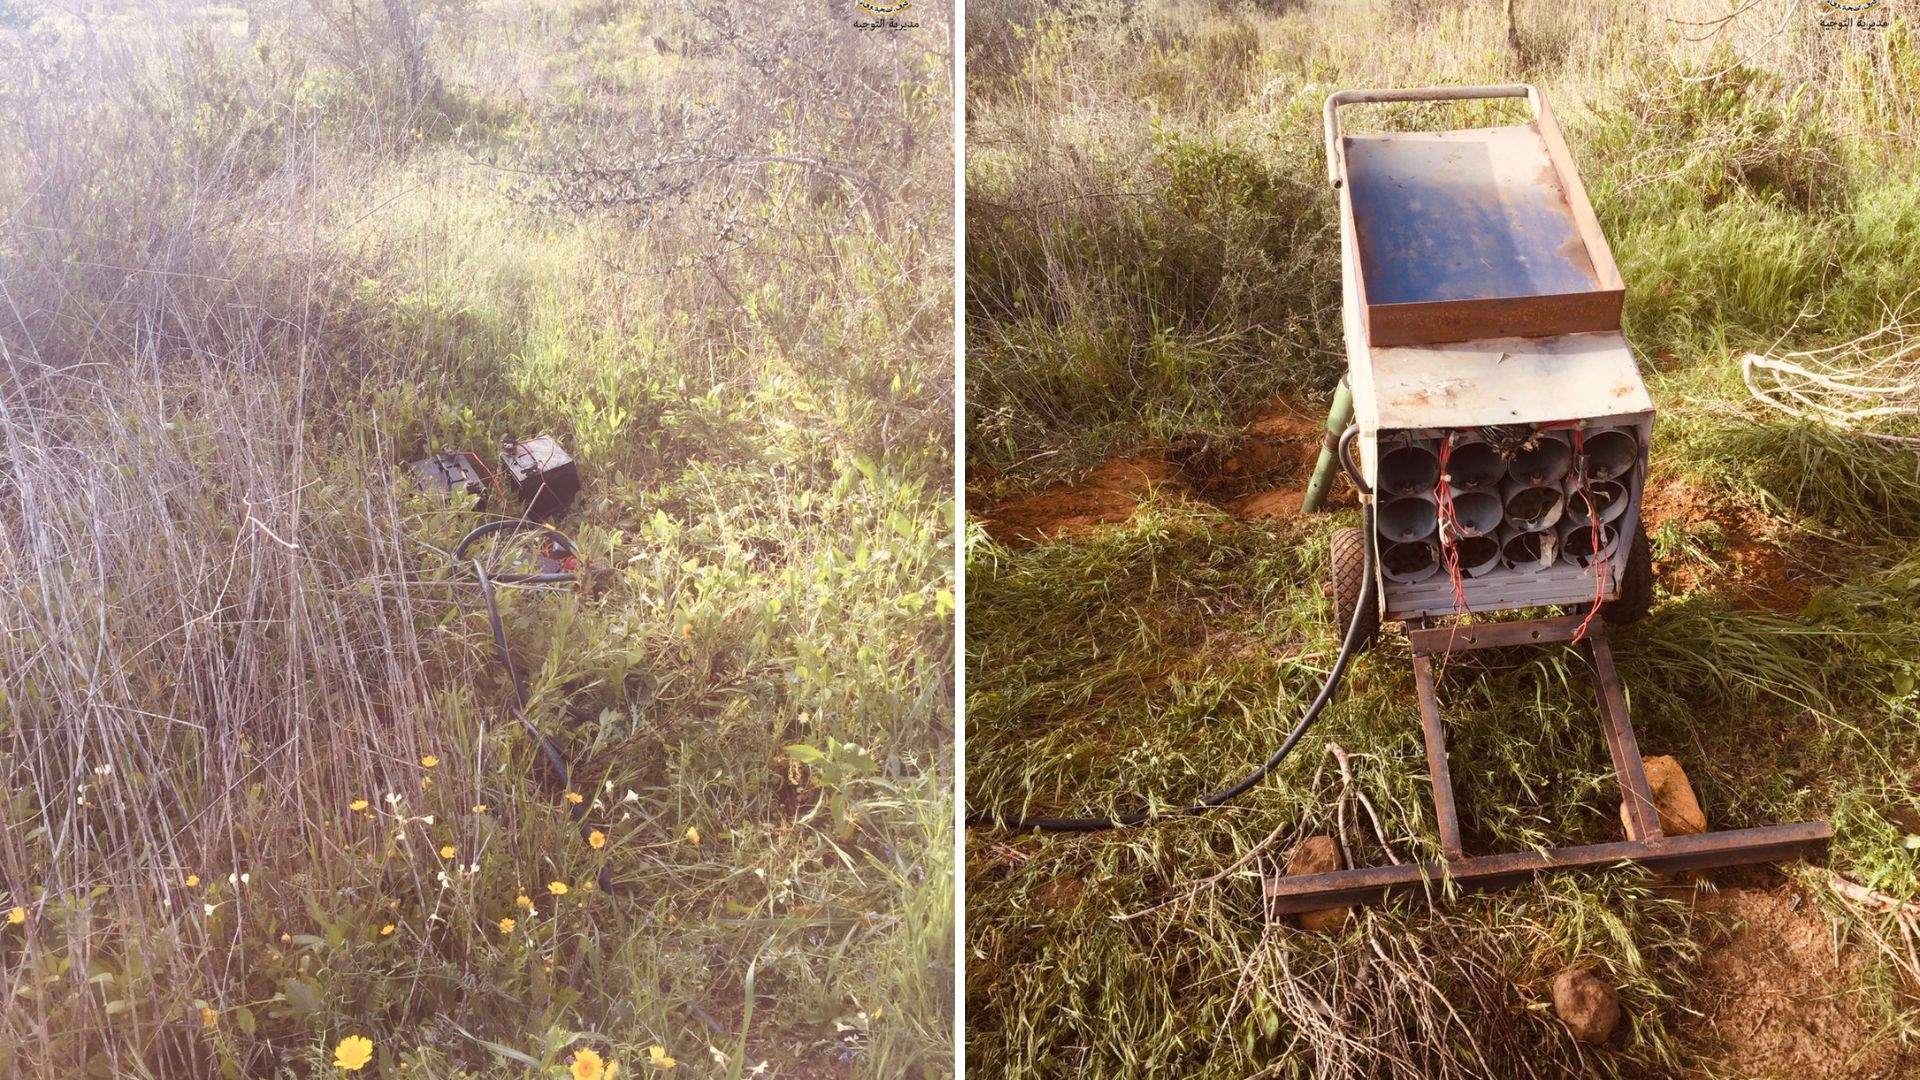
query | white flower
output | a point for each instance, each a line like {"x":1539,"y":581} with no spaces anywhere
{"x":103,"y":770}
{"x":393,"y":798}
{"x":632,"y":796}
{"x":208,"y":908}
{"x":444,"y":879}
{"x":428,"y":820}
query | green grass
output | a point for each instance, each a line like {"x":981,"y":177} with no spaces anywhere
{"x":1167,"y":266}
{"x":247,"y":279}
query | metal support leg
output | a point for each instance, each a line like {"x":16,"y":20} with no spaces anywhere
{"x":1338,"y":418}
{"x":1645,"y":845}
{"x":1445,"y":811}
{"x":1643,"y":819}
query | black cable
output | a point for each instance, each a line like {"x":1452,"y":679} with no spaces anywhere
{"x":556,"y":771}
{"x":1348,"y":647}
{"x":555,"y":538}
{"x":1346,"y":460}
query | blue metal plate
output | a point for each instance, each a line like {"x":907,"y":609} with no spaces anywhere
{"x":1463,"y":215}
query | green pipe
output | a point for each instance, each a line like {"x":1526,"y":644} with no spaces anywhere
{"x":1337,"y":420}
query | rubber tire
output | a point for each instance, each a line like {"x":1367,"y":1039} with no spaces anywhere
{"x":1347,"y":565}
{"x":1636,"y":583}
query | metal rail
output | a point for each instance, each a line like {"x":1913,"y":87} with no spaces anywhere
{"x":1336,"y":153}
{"x":1645,"y":844}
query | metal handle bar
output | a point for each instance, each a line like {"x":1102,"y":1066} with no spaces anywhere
{"x":1337,"y":158}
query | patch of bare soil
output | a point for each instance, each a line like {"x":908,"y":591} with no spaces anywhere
{"x":1777,"y":1000}
{"x":1758,"y":567}
{"x":1107,"y":494}
{"x":1259,"y":473}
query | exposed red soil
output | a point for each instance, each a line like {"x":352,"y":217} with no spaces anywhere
{"x":1777,"y":999}
{"x":1755,"y":557}
{"x":1260,"y":473}
{"x":1108,"y":494}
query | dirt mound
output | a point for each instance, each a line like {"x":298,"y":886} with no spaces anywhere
{"x":1260,"y":472}
{"x":1759,"y":567}
{"x":1777,"y":1000}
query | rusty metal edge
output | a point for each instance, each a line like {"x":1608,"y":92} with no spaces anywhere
{"x":1433,"y":322}
{"x":1700,"y":851}
{"x":1494,"y":635}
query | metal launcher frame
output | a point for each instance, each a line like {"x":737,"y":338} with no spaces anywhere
{"x":1479,"y":293}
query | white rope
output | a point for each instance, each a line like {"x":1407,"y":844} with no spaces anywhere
{"x":1857,"y":386}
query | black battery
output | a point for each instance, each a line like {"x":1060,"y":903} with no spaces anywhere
{"x":444,"y":474}
{"x":544,"y":475}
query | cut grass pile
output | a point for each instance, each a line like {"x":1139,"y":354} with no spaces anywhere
{"x":1756,"y":188}
{"x":263,"y":789}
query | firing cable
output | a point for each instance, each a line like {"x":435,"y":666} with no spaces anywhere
{"x":1349,"y":647}
{"x":557,"y":543}
{"x":556,"y":770}
{"x":1344,"y":450}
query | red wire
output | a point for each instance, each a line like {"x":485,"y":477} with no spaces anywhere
{"x":1449,"y":527}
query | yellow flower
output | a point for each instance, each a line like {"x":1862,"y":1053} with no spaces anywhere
{"x":353,"y":1053}
{"x":507,"y":925}
{"x":479,"y":808}
{"x":17,"y":916}
{"x":429,"y":761}
{"x":208,"y":1018}
{"x":557,"y":888}
{"x":596,"y":839}
{"x":193,"y":881}
{"x":357,"y":805}
{"x":657,"y":1057}
{"x":693,"y":835}
{"x":576,"y":798}
{"x":524,"y":901}
{"x":386,"y":930}
{"x":588,"y":1066}
{"x":446,"y":851}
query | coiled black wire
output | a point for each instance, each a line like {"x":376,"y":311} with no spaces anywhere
{"x":1349,"y":646}
{"x":561,"y":545}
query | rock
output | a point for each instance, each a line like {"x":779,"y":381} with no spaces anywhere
{"x":1317,"y":855}
{"x":1905,"y":818}
{"x":1680,"y":813}
{"x":1589,"y":1007}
